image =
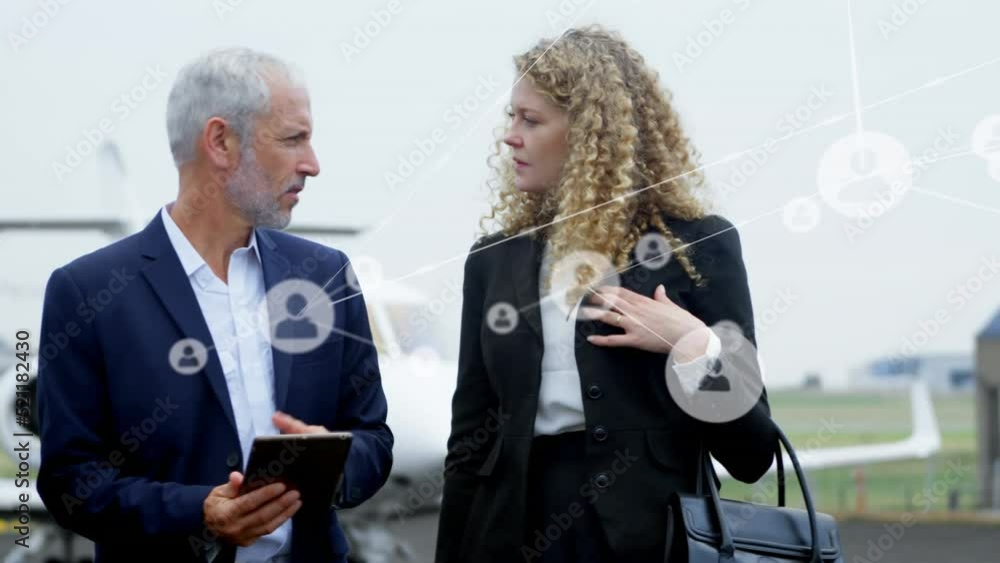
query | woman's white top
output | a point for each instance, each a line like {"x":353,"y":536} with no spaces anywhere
{"x":560,"y":397}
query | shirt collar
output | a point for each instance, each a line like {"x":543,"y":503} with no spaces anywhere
{"x":191,"y":261}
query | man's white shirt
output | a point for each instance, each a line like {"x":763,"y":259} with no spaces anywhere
{"x":237,"y":320}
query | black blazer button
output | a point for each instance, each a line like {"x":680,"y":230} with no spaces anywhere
{"x":600,"y":433}
{"x":602,"y":480}
{"x":594,"y":392}
{"x":233,"y":460}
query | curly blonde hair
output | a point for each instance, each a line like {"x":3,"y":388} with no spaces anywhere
{"x":624,"y":136}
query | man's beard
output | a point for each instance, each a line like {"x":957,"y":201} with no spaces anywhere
{"x":247,"y":191}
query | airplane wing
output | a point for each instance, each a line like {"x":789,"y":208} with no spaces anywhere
{"x":115,"y":227}
{"x":10,"y":494}
{"x":924,"y":441}
{"x":111,"y":169}
{"x":322,"y":230}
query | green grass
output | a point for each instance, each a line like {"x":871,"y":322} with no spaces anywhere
{"x":867,"y":418}
{"x":8,"y":469}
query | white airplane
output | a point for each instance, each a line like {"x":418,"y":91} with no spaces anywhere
{"x":410,"y":367}
{"x":923,"y":442}
{"x":420,"y":428}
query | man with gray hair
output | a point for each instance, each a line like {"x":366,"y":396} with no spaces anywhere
{"x":149,"y":412}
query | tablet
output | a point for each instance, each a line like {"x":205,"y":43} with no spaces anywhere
{"x":311,"y":463}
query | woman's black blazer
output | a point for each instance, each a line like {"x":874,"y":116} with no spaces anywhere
{"x":641,"y":446}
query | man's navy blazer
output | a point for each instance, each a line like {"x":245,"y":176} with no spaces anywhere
{"x":131,"y":448}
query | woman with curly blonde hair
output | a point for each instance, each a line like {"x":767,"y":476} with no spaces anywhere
{"x":585,"y":318}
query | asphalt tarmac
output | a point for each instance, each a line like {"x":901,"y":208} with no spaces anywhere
{"x":863,"y":541}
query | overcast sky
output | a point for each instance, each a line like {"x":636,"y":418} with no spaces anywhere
{"x":739,"y":72}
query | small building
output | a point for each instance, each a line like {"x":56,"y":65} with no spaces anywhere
{"x":944,"y":373}
{"x":988,"y":412}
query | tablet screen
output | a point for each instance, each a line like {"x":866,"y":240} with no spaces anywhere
{"x":313,"y":464}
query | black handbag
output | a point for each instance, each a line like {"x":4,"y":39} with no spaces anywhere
{"x":706,"y":529}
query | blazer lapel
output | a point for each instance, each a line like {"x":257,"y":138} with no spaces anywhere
{"x":165,"y":275}
{"x":524,"y":254}
{"x":276,"y":270}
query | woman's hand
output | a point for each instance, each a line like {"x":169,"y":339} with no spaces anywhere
{"x":655,"y":325}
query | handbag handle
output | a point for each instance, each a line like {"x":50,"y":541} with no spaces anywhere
{"x":780,"y":472}
{"x":727,"y":549}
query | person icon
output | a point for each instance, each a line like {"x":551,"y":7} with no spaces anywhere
{"x":364,"y":269}
{"x":714,"y":383}
{"x":866,"y":181}
{"x":188,"y":360}
{"x":862,"y":171}
{"x":502,"y":318}
{"x":864,"y":162}
{"x":300,"y":316}
{"x":187,"y":356}
{"x":801,"y":215}
{"x":992,"y":145}
{"x":502,"y":321}
{"x":715,"y":380}
{"x":652,"y":251}
{"x":572,"y":283}
{"x":995,"y":168}
{"x":585,"y":274}
{"x":986,"y":144}
{"x":294,"y":327}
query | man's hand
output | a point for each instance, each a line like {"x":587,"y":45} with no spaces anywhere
{"x":288,"y":424}
{"x":240,"y":520}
